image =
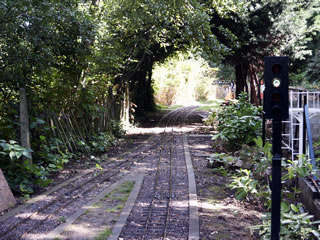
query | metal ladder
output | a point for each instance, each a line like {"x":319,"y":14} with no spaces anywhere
{"x":293,"y":140}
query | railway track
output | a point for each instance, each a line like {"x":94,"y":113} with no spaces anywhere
{"x":35,"y":220}
{"x":58,"y":205}
{"x":161,"y":211}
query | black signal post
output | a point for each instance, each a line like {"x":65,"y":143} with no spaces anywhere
{"x":276,"y":107}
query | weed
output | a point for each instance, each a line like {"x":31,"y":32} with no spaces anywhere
{"x":221,"y":170}
{"x":104,"y":235}
{"x":244,"y":183}
{"x":294,"y":224}
{"x":62,"y":219}
{"x":116,"y":209}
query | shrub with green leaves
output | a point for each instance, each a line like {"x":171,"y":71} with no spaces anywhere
{"x":239,"y":123}
{"x":102,"y":142}
{"x":117,"y":129}
{"x":294,"y":224}
{"x":21,"y":175}
{"x":244,"y":183}
{"x":298,"y":168}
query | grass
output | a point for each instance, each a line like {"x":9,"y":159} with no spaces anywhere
{"x":211,"y":102}
{"x":104,"y":235}
{"x":124,"y":188}
{"x":120,"y":194}
{"x":207,"y":107}
{"x":62,"y":219}
{"x":116,"y":209}
{"x":163,"y":107}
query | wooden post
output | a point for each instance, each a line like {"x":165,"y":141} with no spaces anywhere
{"x":24,"y":121}
{"x":125,"y":111}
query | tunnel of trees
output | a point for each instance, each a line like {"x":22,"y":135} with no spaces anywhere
{"x":76,"y":68}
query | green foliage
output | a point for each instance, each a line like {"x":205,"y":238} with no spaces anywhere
{"x":244,"y":183}
{"x":101,"y":143}
{"x":294,"y":224}
{"x":298,"y":168}
{"x":104,"y":235}
{"x":239,"y":123}
{"x":76,"y":58}
{"x":14,"y":150}
{"x":117,"y":129}
{"x":313,"y":69}
{"x":51,"y":155}
{"x":263,"y":159}
{"x":221,"y":170}
{"x":182,"y":77}
{"x":211,"y":119}
{"x":21,"y":175}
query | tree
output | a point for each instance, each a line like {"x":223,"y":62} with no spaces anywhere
{"x":145,"y":32}
{"x":249,"y":33}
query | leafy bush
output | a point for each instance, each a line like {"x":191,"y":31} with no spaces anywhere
{"x":298,"y":168}
{"x":21,"y":175}
{"x":101,"y":143}
{"x":51,"y":154}
{"x":244,"y":183}
{"x":239,"y":123}
{"x":117,"y":129}
{"x":294,"y":224}
{"x":263,"y":158}
{"x":210,"y":120}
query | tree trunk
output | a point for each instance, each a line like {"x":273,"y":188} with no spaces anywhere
{"x":241,"y":78}
{"x":24,"y":121}
{"x":149,"y":101}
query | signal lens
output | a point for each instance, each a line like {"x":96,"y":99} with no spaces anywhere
{"x":276,"y":97}
{"x":276,"y":68}
{"x":276,"y":82}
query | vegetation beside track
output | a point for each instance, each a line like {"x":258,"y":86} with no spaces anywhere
{"x":247,"y":163}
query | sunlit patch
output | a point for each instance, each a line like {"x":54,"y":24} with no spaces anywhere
{"x":23,"y":215}
{"x":179,"y":204}
{"x":143,"y":204}
{"x":136,"y":130}
{"x":227,"y":210}
{"x":200,"y":146}
{"x":39,"y":217}
{"x":186,"y":129}
{"x":90,"y":207}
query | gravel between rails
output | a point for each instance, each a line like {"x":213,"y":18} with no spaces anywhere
{"x":161,"y":210}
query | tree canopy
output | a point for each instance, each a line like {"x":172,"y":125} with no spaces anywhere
{"x":85,"y":63}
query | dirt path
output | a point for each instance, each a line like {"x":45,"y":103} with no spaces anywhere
{"x":149,"y":192}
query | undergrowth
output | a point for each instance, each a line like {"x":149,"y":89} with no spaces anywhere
{"x":25,"y":170}
{"x":296,"y":222}
{"x":237,"y":123}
